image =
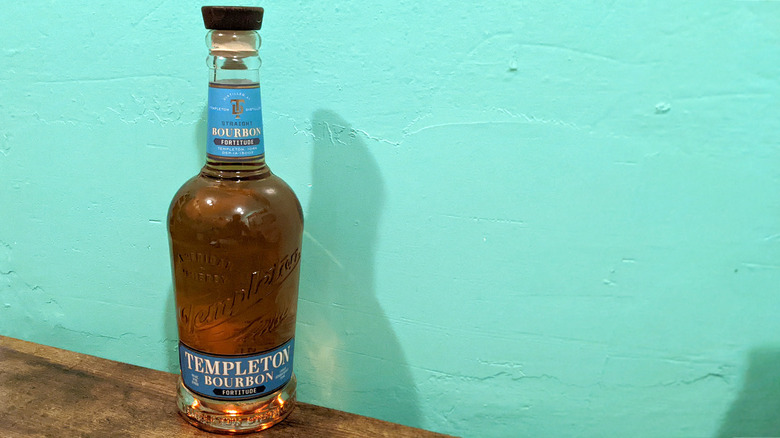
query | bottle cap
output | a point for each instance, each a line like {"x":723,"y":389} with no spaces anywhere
{"x":232,"y":17}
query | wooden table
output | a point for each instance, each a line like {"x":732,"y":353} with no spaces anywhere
{"x":48,"y":392}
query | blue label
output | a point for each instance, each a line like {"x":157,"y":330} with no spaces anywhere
{"x":236,"y":377}
{"x":235,"y":122}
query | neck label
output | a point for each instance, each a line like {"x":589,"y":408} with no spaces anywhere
{"x":235,"y":127}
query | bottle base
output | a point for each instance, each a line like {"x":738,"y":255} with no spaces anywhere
{"x":236,"y":417}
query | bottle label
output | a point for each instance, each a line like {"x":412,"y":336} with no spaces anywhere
{"x":236,"y":377}
{"x":235,"y":128}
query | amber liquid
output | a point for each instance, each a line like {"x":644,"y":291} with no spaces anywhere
{"x":235,"y":233}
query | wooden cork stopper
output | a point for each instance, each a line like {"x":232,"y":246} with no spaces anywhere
{"x":232,"y":17}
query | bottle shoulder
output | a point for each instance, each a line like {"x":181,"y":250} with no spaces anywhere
{"x":208,"y":204}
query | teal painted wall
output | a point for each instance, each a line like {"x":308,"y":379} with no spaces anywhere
{"x":523,"y":219}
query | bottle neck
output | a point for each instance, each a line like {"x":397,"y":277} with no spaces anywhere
{"x":235,"y":148}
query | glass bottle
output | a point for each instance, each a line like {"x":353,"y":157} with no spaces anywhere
{"x":235,"y":233}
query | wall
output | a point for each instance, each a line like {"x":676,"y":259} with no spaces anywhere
{"x":523,"y":219}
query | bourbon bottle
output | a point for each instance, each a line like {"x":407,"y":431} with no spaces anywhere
{"x":235,"y":235}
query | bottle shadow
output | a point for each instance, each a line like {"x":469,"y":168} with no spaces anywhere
{"x":350,"y":358}
{"x":756,"y":411}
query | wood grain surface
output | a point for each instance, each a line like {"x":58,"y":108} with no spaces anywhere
{"x":49,"y":392}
